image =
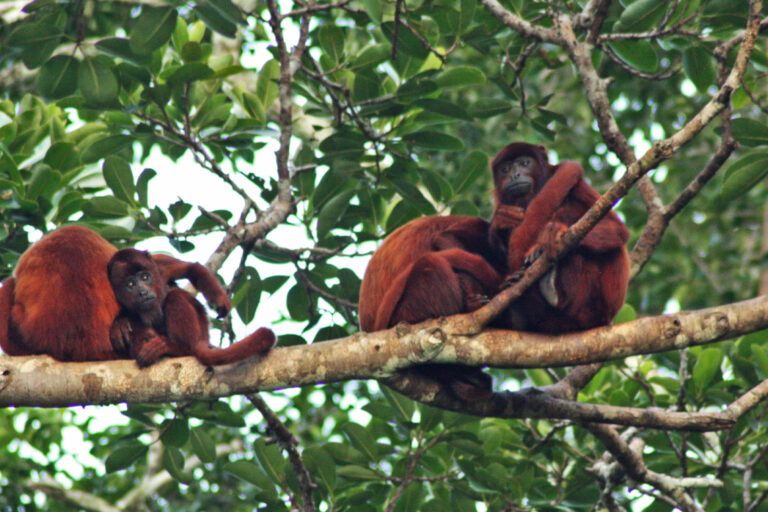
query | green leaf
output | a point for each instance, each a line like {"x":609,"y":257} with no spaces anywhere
{"x":249,"y":472}
{"x":400,"y":214}
{"x":334,"y":209}
{"x":142,"y":184}
{"x":266,"y":84}
{"x":180,"y":35}
{"x":366,"y":86}
{"x":173,"y":463}
{"x":407,"y":42}
{"x":750,"y":132}
{"x":460,"y":76}
{"x":45,"y":182}
{"x":472,"y":168}
{"x":639,"y":54}
{"x":360,"y":439}
{"x":119,"y":178}
{"x":254,"y":107}
{"x":467,"y":12}
{"x":105,"y":207}
{"x":403,"y":407}
{"x":706,"y":367}
{"x":124,"y":456}
{"x":434,"y":140}
{"x":699,"y":67}
{"x":270,"y":459}
{"x":228,"y":10}
{"x":488,"y":107}
{"x":413,"y":195}
{"x":370,"y":57}
{"x":189,"y":73}
{"x":153,"y":29}
{"x":247,"y":294}
{"x":214,"y":19}
{"x":331,"y":39}
{"x":34,"y":35}
{"x":120,"y":48}
{"x":321,"y":465}
{"x":97,"y":81}
{"x":104,"y":147}
{"x":62,"y":156}
{"x":641,"y":15}
{"x":175,"y":433}
{"x":297,"y":302}
{"x":744,"y":174}
{"x":58,"y":77}
{"x":357,"y":473}
{"x":203,"y":445}
{"x":442,"y":107}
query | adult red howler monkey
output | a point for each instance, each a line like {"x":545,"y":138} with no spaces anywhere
{"x":428,"y":268}
{"x":535,"y":203}
{"x":60,"y":301}
{"x":157,"y":319}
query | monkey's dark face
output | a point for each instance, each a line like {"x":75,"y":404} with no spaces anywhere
{"x":137,"y":292}
{"x":516,"y":179}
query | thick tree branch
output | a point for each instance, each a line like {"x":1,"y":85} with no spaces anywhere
{"x":376,"y":355}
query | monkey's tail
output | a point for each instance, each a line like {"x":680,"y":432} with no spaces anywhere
{"x":256,"y":343}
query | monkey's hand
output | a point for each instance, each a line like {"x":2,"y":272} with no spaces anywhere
{"x":220,"y":302}
{"x":550,"y":238}
{"x":152,"y":350}
{"x":121,"y":335}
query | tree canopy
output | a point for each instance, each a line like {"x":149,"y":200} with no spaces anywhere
{"x":327,"y":125}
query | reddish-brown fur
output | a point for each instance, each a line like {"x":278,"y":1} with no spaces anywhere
{"x":589,"y":284}
{"x":60,"y":302}
{"x":428,"y":268}
{"x":169,"y":321}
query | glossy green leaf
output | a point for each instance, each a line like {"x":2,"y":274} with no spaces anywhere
{"x":474,"y":165}
{"x":434,"y":140}
{"x":271,"y":460}
{"x":189,"y":73}
{"x":371,"y":56}
{"x":104,"y":147}
{"x":97,"y":81}
{"x":33,"y":35}
{"x":331,"y":39}
{"x":750,"y":132}
{"x":142,"y":184}
{"x":407,"y":42}
{"x":214,"y":19}
{"x":360,"y":439}
{"x":413,"y":195}
{"x":247,"y":294}
{"x":442,"y":107}
{"x":173,"y":463}
{"x":174,"y":433}
{"x":641,"y":15}
{"x":460,"y":76}
{"x":125,"y":456}
{"x":45,"y":182}
{"x":488,"y":107}
{"x":403,"y":407}
{"x":699,"y":67}
{"x":638,"y":54}
{"x":119,"y":178}
{"x":249,"y":472}
{"x":58,"y":77}
{"x":105,"y":207}
{"x":266,"y":84}
{"x":334,"y":209}
{"x":744,"y":174}
{"x":153,"y":29}
{"x":120,"y":48}
{"x":297,"y":302}
{"x":203,"y":445}
{"x":321,"y":465}
{"x":706,"y":368}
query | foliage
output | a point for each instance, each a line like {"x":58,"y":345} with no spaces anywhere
{"x":379,"y":133}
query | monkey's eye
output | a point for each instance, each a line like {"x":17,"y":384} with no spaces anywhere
{"x":524,"y":162}
{"x":506,"y":167}
{"x":145,"y":276}
{"x":130,"y":283}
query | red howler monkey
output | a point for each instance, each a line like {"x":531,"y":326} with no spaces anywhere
{"x":535,"y":203}
{"x":60,"y":301}
{"x":157,"y":319}
{"x":428,"y":268}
